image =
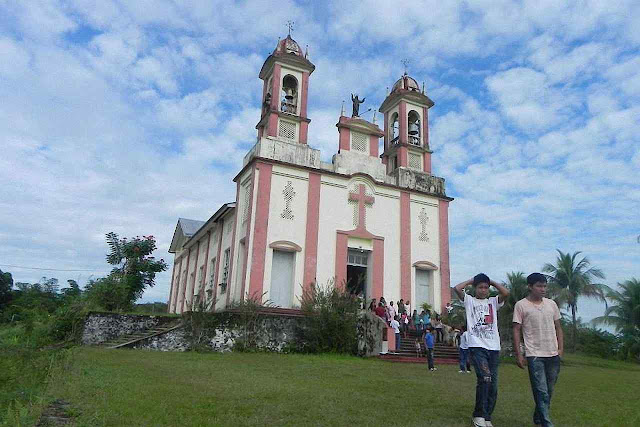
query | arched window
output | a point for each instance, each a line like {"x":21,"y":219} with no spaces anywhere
{"x":266,"y":104}
{"x":289,"y":102}
{"x":394,"y":128}
{"x":414,"y":127}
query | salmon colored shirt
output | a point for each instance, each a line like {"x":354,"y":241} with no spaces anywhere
{"x":538,"y":327}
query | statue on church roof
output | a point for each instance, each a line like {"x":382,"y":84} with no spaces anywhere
{"x":356,"y":105}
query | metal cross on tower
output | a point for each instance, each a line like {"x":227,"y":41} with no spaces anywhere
{"x":290,"y":26}
{"x":406,"y":63}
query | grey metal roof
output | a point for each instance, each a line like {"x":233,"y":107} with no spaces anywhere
{"x":190,"y":226}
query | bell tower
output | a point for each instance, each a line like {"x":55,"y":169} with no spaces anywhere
{"x":406,"y":127}
{"x":285,"y":92}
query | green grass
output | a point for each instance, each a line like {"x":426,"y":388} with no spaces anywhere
{"x":24,"y":371}
{"x":144,"y":388}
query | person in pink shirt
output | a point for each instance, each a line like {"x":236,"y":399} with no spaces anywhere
{"x":537,"y":320}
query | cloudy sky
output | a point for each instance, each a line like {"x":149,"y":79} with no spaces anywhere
{"x":125,"y":115}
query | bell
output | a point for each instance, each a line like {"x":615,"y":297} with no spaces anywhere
{"x":413,"y":129}
{"x":288,"y":93}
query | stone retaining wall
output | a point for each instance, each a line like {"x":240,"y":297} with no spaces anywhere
{"x":275,"y":331}
{"x":101,"y":327}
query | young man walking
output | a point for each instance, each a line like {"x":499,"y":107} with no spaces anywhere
{"x":537,"y":320}
{"x":484,"y":342}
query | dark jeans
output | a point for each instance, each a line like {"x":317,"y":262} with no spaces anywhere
{"x":543,"y":374}
{"x":398,"y":342}
{"x":430,"y":357}
{"x":464,"y":358}
{"x":439,"y":335}
{"x":485,"y":363}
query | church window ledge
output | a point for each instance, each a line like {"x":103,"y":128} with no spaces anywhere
{"x":285,"y":245}
{"x":425,"y":265}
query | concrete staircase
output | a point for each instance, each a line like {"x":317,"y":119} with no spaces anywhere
{"x":129,"y":339}
{"x":442,"y":354}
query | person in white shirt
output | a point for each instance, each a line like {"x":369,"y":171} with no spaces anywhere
{"x":463,"y":347}
{"x":484,"y":342}
{"x":396,"y":330}
{"x":391,"y":311}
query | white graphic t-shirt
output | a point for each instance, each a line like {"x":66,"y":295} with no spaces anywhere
{"x":482,"y":322}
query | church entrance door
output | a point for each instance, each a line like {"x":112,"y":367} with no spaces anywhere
{"x":358,"y":273}
{"x":422,"y":288}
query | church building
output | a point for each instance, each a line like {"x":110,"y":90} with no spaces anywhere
{"x":374,"y":222}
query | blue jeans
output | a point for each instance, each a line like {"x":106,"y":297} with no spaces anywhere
{"x":464,"y":355}
{"x":485,"y":363}
{"x":430,"y":357}
{"x":543,"y":374}
{"x":398,"y":342}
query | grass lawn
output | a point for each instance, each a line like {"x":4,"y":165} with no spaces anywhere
{"x":144,"y":388}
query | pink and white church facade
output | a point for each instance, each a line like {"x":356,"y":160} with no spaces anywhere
{"x":374,"y":222}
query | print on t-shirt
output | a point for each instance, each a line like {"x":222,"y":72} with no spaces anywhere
{"x":483,"y":320}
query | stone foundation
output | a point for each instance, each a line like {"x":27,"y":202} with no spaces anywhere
{"x":274,"y":331}
{"x":102,"y":327}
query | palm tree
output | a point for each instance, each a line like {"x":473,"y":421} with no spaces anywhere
{"x":571,"y":278}
{"x":517,"y":285}
{"x":624,"y":313}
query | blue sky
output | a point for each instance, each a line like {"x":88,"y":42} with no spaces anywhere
{"x":124,"y":116}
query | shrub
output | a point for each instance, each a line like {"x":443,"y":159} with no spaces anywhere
{"x":597,"y":342}
{"x":109,"y":294}
{"x":331,"y":321}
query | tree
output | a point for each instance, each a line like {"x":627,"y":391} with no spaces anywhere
{"x":624,"y":314}
{"x":518,"y":289}
{"x":134,"y":268}
{"x":570,"y":279}
{"x":6,"y":283}
{"x":73,"y":290}
{"x":49,"y":285}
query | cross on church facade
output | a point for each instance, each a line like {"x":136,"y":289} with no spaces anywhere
{"x":424,"y":237}
{"x":363,"y":201}
{"x":290,"y":26}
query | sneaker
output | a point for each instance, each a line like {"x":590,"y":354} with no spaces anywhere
{"x":468,"y":372}
{"x":488,"y":423}
{"x":479,"y":422}
{"x":435,"y":369}
{"x":461,"y":371}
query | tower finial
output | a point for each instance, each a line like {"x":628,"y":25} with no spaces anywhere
{"x":374,"y":117}
{"x":306,"y":53}
{"x":423,"y":87}
{"x":342,"y":110}
{"x":290,"y":26}
{"x":405,"y":62}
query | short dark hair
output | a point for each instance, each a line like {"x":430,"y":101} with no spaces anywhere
{"x":480,"y":278}
{"x":535,"y":278}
